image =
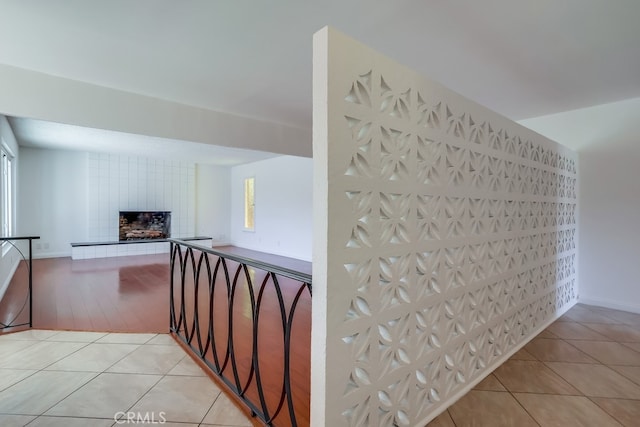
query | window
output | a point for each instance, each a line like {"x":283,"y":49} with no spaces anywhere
{"x":6,"y":184}
{"x":249,"y":204}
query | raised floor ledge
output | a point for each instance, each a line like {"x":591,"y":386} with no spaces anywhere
{"x":127,"y":242}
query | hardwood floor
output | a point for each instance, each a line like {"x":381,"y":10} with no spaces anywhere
{"x":131,"y":294}
{"x":120,"y":294}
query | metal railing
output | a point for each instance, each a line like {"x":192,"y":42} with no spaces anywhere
{"x":249,"y":322}
{"x":18,"y":295}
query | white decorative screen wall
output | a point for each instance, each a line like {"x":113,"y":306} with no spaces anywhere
{"x":449,"y":239}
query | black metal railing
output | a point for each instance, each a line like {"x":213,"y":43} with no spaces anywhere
{"x":250,"y":323}
{"x":16,"y":304}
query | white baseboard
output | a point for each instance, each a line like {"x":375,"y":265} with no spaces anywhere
{"x":43,"y":255}
{"x":616,"y":305}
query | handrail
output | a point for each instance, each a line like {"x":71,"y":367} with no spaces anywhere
{"x":10,"y":240}
{"x":4,"y":239}
{"x":225,"y":308}
{"x":292,"y":274}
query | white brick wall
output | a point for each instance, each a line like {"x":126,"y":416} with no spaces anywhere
{"x":119,"y":183}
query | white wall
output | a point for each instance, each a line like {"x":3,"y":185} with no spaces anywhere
{"x":53,"y":199}
{"x":213,"y":202}
{"x":118,"y":183}
{"x":607,"y":138}
{"x":283,"y":206}
{"x":68,"y":196}
{"x":9,"y":258}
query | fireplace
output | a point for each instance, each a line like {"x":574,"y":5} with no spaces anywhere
{"x":144,"y":225}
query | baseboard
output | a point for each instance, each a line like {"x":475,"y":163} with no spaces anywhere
{"x":633,"y":308}
{"x":43,"y":255}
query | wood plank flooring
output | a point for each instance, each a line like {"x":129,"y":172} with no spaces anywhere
{"x":131,"y":294}
{"x":120,"y":294}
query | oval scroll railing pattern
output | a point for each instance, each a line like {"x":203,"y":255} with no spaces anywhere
{"x":16,"y":304}
{"x":249,"y":322}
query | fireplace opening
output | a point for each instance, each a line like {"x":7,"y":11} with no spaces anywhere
{"x":141,"y":225}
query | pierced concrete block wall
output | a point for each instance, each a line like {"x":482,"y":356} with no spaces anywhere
{"x":444,"y":239}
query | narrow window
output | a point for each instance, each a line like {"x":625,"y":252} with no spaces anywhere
{"x":249,"y":204}
{"x":6,"y":184}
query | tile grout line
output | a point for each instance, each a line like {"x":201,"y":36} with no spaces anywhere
{"x":620,"y":373}
{"x":604,"y":409}
{"x":597,"y":360}
{"x":97,"y":373}
{"x":79,"y":387}
{"x":43,"y":370}
{"x":570,"y":341}
{"x":514,"y":397}
{"x":18,"y":382}
{"x":525,"y":409}
{"x":637,"y":382}
{"x":211,"y":406}
{"x":163,"y":376}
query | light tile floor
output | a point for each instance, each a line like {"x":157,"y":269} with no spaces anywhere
{"x":60,"y":378}
{"x":583,"y":370}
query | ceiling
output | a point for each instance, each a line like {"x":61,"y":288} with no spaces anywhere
{"x":49,"y":135}
{"x":254,"y":58}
